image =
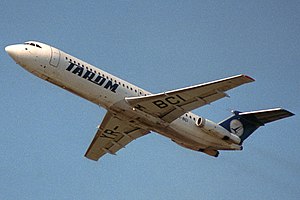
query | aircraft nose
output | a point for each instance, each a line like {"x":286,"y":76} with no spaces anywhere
{"x":12,"y":51}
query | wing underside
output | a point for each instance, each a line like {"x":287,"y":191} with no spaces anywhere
{"x":168,"y":106}
{"x":113,"y":134}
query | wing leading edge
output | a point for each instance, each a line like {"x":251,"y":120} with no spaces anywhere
{"x":172,"y":104}
{"x":113,"y":134}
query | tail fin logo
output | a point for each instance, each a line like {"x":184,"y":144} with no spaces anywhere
{"x":236,"y":127}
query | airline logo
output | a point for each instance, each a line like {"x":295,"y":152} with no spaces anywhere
{"x":237,"y":127}
{"x":92,"y":77}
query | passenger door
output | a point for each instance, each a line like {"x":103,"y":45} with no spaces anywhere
{"x":55,"y":56}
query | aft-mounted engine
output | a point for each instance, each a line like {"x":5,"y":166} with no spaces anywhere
{"x":216,"y":130}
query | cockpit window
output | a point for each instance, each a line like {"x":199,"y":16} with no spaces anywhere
{"x":32,"y":44}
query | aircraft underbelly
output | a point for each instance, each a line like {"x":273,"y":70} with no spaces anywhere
{"x":179,"y":130}
{"x":192,"y":136}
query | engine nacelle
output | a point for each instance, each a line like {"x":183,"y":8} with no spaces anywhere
{"x":216,"y":130}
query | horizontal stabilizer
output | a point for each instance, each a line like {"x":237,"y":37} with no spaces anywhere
{"x":243,"y":124}
{"x":266,"y":116}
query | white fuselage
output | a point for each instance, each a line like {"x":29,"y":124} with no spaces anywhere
{"x":108,"y":91}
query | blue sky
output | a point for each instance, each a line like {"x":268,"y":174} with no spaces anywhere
{"x":159,"y":46}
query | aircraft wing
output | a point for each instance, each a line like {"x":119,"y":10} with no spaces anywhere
{"x":172,"y":104}
{"x":112,"y":135}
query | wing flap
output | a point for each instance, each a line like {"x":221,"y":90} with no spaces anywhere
{"x":172,"y":104}
{"x":113,"y":134}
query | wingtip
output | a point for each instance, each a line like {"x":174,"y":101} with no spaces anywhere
{"x":289,"y":113}
{"x":91,"y":158}
{"x":248,"y":77}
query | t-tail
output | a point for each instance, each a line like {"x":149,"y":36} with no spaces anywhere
{"x":243,"y":124}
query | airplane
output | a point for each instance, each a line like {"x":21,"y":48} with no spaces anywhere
{"x":133,"y":112}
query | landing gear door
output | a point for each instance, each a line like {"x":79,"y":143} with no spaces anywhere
{"x":55,"y":56}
